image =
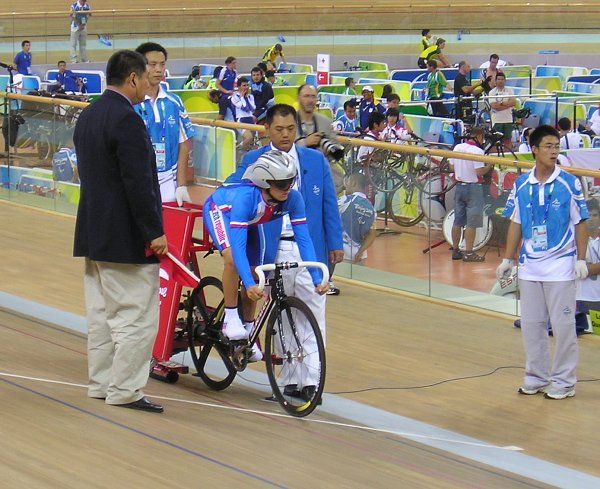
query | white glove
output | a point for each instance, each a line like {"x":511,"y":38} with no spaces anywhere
{"x":181,"y":195}
{"x":504,"y":269}
{"x":581,"y":269}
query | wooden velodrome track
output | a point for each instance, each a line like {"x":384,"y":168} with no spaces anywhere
{"x":55,"y":437}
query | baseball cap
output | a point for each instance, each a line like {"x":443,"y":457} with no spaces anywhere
{"x":368,"y":87}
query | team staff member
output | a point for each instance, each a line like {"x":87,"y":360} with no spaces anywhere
{"x":80,"y":11}
{"x":468,"y":199}
{"x":119,"y":215}
{"x":323,"y":218}
{"x":547,"y":213}
{"x":367,"y":106}
{"x":168,"y":126}
{"x":23,"y":59}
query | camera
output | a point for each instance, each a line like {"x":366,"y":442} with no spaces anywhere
{"x":331,"y":149}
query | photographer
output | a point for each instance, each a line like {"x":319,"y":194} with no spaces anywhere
{"x":314,"y":130}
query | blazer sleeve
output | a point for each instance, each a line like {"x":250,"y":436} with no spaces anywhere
{"x":332,"y":221}
{"x":135,"y":166}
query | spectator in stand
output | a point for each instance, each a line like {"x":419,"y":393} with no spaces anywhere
{"x":468,"y":199}
{"x":66,"y":78}
{"x":358,"y":217}
{"x":80,"y":11}
{"x":346,"y":123}
{"x":367,"y":106}
{"x":262,"y":91}
{"x":592,"y":128}
{"x":376,"y":125}
{"x":394,"y":103}
{"x":225,"y":84}
{"x":489,"y":73}
{"x":553,"y":241}
{"x":243,"y":102}
{"x":212,"y":84}
{"x":271,"y":55}
{"x":385,"y":94}
{"x":568,"y":139}
{"x":22,"y":59}
{"x":434,"y":53}
{"x":436,"y":82}
{"x":524,"y":147}
{"x":502,"y":103}
{"x":193,"y":81}
{"x":395,"y":131}
{"x":350,"y":86}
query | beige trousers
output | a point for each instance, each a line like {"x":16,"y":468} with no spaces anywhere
{"x":122,"y":316}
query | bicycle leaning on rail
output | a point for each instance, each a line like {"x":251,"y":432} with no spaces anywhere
{"x":293,"y":342}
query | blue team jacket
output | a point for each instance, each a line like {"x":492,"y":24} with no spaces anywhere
{"x":322,"y":215}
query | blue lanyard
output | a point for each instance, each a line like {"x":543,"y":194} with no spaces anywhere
{"x":149,"y":118}
{"x":547,"y":202}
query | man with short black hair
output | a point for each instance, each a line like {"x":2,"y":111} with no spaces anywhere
{"x":489,"y":74}
{"x":168,"y":125}
{"x":346,"y":123}
{"x":119,"y":217}
{"x":262,"y":91}
{"x":66,"y":78}
{"x":367,"y":106}
{"x":568,"y":139}
{"x":436,"y":82}
{"x":547,"y":213}
{"x":22,"y":59}
{"x":502,"y":102}
{"x":350,"y":86}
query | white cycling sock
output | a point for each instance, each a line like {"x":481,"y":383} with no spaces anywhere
{"x":231,"y":314}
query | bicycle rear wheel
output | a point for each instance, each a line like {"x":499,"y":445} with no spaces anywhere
{"x":295,"y":357}
{"x":204,"y":321}
{"x":403,"y":207}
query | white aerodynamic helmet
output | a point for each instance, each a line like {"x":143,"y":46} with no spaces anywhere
{"x":274,"y":165}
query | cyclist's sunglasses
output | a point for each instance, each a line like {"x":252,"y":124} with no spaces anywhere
{"x":283,"y":184}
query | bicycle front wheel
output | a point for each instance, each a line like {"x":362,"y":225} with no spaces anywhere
{"x":403,"y":207}
{"x":295,"y":357}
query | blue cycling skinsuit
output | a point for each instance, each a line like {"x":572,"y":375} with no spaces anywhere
{"x":232,"y":215}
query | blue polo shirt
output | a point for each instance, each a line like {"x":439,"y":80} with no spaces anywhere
{"x":227,"y":78}
{"x":23,"y":62}
{"x":558,"y":204}
{"x":364,"y":111}
{"x":343,"y":124}
{"x":168,"y":124}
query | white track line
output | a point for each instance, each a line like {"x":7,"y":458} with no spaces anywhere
{"x":282,"y":415}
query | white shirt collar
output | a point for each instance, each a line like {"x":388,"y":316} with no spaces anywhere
{"x":360,"y":194}
{"x":161,"y":94}
{"x":533,"y":180}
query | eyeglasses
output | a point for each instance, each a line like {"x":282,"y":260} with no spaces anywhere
{"x":550,"y":147}
{"x":283,"y":184}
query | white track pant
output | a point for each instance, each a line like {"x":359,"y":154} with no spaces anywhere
{"x":298,"y":283}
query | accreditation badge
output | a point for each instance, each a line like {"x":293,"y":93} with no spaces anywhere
{"x":539,"y":237}
{"x":160,"y":150}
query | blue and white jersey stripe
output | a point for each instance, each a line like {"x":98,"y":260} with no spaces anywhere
{"x":559,"y":205}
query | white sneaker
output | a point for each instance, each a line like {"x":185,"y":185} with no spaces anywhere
{"x":530,"y":391}
{"x":234,"y":330}
{"x":554,"y":393}
{"x":257,"y":354}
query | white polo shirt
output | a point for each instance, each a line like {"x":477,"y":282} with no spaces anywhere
{"x":464,"y":170}
{"x":589,"y":289}
{"x":571,"y":140}
{"x":502,"y":95}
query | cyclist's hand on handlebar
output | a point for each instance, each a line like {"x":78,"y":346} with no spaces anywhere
{"x":254,"y":293}
{"x":159,"y":245}
{"x":321,"y":289}
{"x":336,"y":256}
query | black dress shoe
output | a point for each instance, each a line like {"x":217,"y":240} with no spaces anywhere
{"x":308,"y":393}
{"x":143,"y":404}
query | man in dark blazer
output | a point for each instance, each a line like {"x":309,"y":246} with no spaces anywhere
{"x":315,"y":183}
{"x":118,"y":218}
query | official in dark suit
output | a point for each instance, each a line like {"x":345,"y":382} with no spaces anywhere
{"x":119,"y":216}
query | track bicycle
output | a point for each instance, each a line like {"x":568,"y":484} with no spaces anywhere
{"x":293,"y":344}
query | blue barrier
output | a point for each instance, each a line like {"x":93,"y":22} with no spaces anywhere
{"x":584,"y":79}
{"x":418,"y":75}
